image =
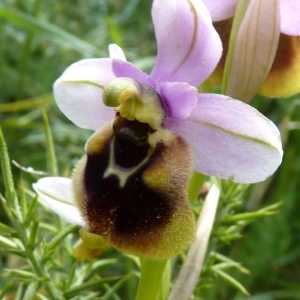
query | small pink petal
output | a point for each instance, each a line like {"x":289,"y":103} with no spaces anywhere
{"x":78,"y":92}
{"x":230,"y":139}
{"x":290,"y":21}
{"x":56,"y":193}
{"x":179,"y":99}
{"x":189,"y":48}
{"x":220,"y":9}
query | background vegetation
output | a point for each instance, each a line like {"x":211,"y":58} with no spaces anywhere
{"x":38,"y":40}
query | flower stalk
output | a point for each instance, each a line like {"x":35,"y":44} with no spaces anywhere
{"x":154,"y":280}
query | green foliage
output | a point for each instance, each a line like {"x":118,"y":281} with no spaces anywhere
{"x":39,"y":252}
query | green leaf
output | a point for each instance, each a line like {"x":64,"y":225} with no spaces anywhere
{"x":44,"y":28}
{"x":6,"y":171}
{"x":231,"y":281}
{"x":31,"y":208}
{"x":250,"y":216}
{"x":7,"y":243}
{"x":21,"y":273}
{"x":116,"y":286}
{"x":6,"y":230}
{"x":26,"y":104}
{"x":74,"y":291}
{"x":31,"y":290}
{"x":5,"y":289}
{"x":20,"y":292}
{"x":33,"y":235}
{"x":58,"y":238}
{"x":51,"y":157}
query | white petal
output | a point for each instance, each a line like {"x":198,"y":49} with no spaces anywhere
{"x":78,"y":92}
{"x":56,"y":193}
{"x":116,"y":52}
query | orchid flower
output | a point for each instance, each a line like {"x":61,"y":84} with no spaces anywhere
{"x":151,"y":131}
{"x":281,"y":64}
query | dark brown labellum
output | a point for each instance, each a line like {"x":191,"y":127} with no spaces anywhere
{"x":131,"y":189}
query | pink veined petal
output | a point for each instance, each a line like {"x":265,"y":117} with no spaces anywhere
{"x":179,"y":99}
{"x":230,"y":139}
{"x":78,"y":92}
{"x":126,"y":69}
{"x":220,"y":9}
{"x":189,"y":48}
{"x":290,"y":21}
{"x":56,"y":193}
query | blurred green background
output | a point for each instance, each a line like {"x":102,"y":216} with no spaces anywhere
{"x":39,"y":39}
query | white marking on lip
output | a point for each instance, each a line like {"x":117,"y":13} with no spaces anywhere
{"x":121,"y":173}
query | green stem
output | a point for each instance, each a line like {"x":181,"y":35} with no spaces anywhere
{"x":195,"y":186}
{"x":10,"y":193}
{"x":206,"y":87}
{"x":36,"y":263}
{"x":165,"y":287}
{"x":154,"y":280}
{"x":51,"y":157}
{"x":52,"y":292}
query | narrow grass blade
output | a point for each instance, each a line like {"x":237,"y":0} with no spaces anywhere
{"x":44,"y":28}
